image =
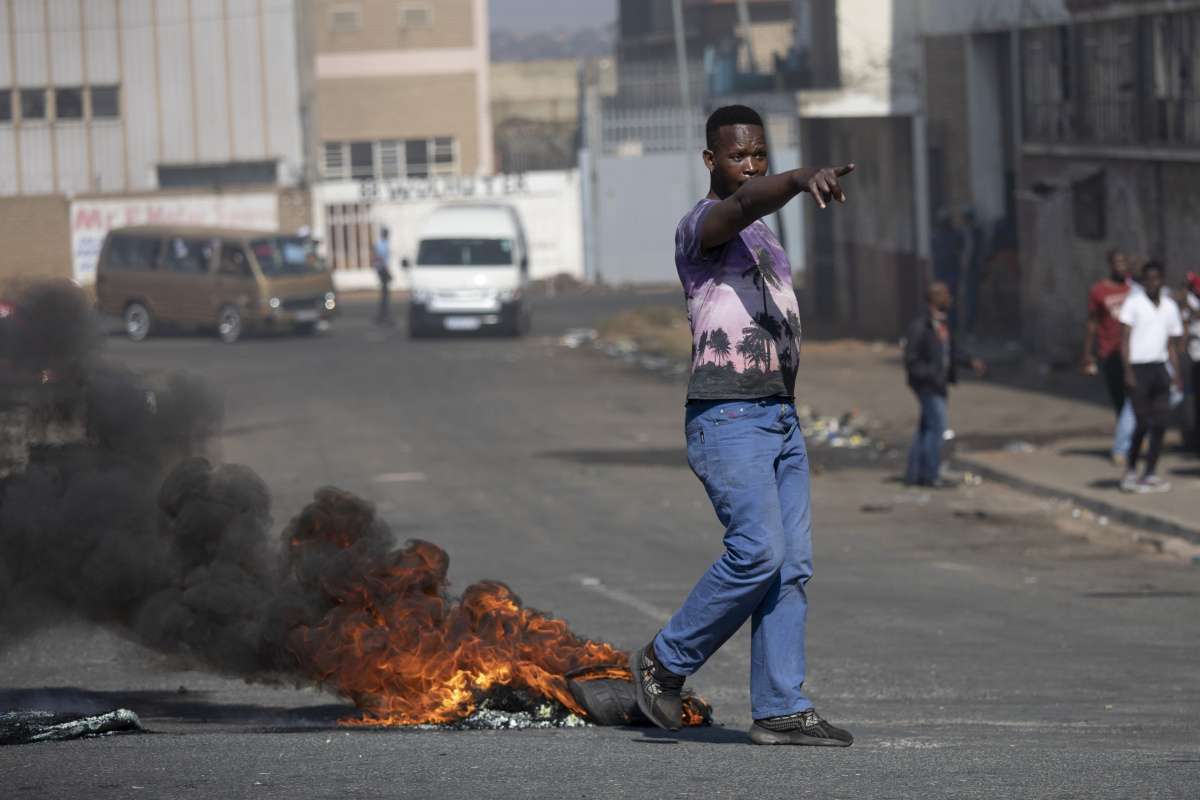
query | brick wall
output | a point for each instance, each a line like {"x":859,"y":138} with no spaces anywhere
{"x":35,"y":237}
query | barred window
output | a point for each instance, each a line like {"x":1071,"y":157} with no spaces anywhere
{"x":334,"y":162}
{"x":390,"y":159}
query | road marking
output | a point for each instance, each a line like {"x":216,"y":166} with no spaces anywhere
{"x":401,"y":477}
{"x":952,"y":567}
{"x":624,"y":598}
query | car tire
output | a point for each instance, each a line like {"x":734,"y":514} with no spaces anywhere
{"x":229,"y":324}
{"x":138,"y":321}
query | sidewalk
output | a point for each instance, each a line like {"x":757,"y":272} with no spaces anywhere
{"x":1044,"y":443}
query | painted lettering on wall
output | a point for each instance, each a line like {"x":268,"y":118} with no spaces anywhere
{"x":91,"y":220}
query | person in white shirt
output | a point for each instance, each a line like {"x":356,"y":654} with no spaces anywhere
{"x":1151,"y":330}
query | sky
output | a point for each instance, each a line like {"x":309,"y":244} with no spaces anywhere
{"x":527,"y":16}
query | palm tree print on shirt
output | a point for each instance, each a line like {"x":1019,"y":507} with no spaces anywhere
{"x":755,"y":347}
{"x":763,"y":274}
{"x":718,"y":342}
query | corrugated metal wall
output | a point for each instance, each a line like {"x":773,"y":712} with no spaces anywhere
{"x":201,"y":81}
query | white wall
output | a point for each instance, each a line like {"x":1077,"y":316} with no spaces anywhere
{"x":547,"y":202}
{"x":639,"y":202}
{"x":191,"y":82}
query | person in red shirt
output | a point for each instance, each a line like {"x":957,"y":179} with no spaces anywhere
{"x":1102,"y":340}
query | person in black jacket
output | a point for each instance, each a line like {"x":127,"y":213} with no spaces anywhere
{"x":931,"y":360}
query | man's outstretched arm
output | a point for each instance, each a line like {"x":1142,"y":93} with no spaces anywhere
{"x":759,"y":197}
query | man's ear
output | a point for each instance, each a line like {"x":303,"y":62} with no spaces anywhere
{"x":710,"y":160}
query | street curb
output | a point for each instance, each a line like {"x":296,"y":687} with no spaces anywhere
{"x":1134,"y":519}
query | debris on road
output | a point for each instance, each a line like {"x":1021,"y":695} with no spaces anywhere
{"x":30,"y":727}
{"x":1019,"y":446}
{"x":578,"y":337}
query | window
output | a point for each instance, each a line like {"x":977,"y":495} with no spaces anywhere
{"x":68,"y":103}
{"x":106,"y":102}
{"x":132,"y":253}
{"x":33,"y":104}
{"x":416,"y":157}
{"x":233,"y":261}
{"x":188,"y":256}
{"x":345,"y":18}
{"x":414,"y":16}
{"x":335,"y":160}
{"x":465,"y":252}
{"x":443,"y":155}
{"x":390,"y":159}
{"x":6,"y":110}
{"x":362,"y":160}
{"x":234,"y":173}
{"x":284,"y":255}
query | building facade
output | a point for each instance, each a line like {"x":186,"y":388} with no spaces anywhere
{"x":400,"y":89}
{"x":127,"y":97}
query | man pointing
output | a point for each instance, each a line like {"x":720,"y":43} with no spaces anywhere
{"x":744,"y":440}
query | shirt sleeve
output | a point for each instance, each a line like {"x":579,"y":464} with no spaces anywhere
{"x":1128,"y":313}
{"x":1095,"y":304}
{"x":689,"y":232}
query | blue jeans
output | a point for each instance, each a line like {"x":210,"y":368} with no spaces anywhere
{"x":925,"y":455}
{"x":1123,"y":437}
{"x":751,"y":458}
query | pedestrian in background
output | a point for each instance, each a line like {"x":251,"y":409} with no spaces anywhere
{"x":1151,"y":329}
{"x":1102,"y":344}
{"x":931,"y":361}
{"x":1191,"y":311}
{"x":381,"y":259}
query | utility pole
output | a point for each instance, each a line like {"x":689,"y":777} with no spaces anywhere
{"x":743,"y":12}
{"x":685,"y":95}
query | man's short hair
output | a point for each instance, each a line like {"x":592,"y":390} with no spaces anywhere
{"x":728,"y":115}
{"x":1156,"y":266}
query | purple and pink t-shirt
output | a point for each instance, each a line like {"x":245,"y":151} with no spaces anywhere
{"x":743,"y":312}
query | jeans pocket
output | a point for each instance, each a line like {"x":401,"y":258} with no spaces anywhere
{"x":695,"y":451}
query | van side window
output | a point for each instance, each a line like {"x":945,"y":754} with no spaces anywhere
{"x":132,"y":253}
{"x":188,"y":256}
{"x":233,"y":261}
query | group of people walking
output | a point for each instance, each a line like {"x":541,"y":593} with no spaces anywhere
{"x":1135,"y":340}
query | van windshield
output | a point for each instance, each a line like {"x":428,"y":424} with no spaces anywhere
{"x":286,"y":255}
{"x":465,"y":252}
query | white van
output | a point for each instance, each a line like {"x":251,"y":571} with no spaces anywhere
{"x":470,"y":272}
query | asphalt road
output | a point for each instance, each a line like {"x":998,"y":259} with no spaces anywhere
{"x":975,"y":648}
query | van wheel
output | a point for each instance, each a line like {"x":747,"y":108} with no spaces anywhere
{"x":137,"y":321}
{"x":229,"y":324}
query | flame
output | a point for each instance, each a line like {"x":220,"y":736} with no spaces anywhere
{"x":395,"y":643}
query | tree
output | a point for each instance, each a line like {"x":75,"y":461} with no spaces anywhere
{"x":699,"y":348}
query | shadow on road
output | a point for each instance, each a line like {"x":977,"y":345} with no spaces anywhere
{"x":712,"y":735}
